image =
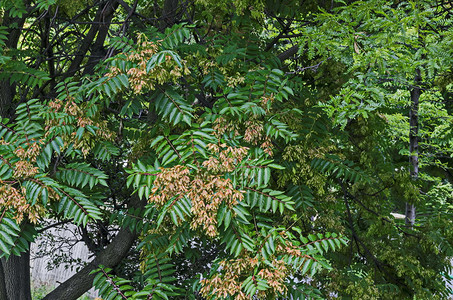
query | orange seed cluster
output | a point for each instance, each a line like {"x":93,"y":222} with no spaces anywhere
{"x":254,"y":134}
{"x":227,"y":158}
{"x":170,"y":183}
{"x":205,"y":192}
{"x":233,"y":272}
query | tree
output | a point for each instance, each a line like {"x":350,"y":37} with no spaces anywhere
{"x":253,"y":139}
{"x":397,"y":56}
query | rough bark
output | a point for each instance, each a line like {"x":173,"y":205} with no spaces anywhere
{"x":288,"y":53}
{"x":413,"y":142}
{"x":6,"y":98}
{"x":17,"y":277}
{"x":2,"y":283}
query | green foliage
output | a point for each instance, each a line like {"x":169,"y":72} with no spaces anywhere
{"x":18,"y":72}
{"x":111,"y":287}
{"x":258,"y":151}
{"x":10,"y":232}
{"x":14,"y":8}
{"x":80,"y":175}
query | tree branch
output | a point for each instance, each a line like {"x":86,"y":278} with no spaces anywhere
{"x":288,"y":53}
{"x":111,"y":256}
{"x":103,"y":17}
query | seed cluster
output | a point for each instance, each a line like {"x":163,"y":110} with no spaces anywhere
{"x":12,"y":195}
{"x":13,"y":198}
{"x":274,"y":271}
{"x":69,"y":113}
{"x":207,"y":188}
{"x":228,"y":282}
{"x":139,"y":75}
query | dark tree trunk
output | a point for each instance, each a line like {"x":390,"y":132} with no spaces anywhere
{"x":17,"y":277}
{"x":2,"y":283}
{"x":98,"y":51}
{"x":7,"y":90}
{"x":288,"y":53}
{"x":6,"y":98}
{"x":413,"y":142}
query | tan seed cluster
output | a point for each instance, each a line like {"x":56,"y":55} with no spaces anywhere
{"x":207,"y":188}
{"x":170,"y":183}
{"x":228,"y":282}
{"x":24,"y":168}
{"x":222,"y":126}
{"x":253,"y":132}
{"x":227,"y":158}
{"x":32,"y":151}
{"x":207,"y":193}
{"x":78,"y":119}
{"x":12,"y":198}
{"x":139,"y":77}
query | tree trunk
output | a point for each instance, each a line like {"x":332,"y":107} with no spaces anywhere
{"x":6,"y":98}
{"x":111,"y":256}
{"x":82,"y":281}
{"x":7,"y":90}
{"x":2,"y":283}
{"x":17,"y":277}
{"x":98,"y":51}
{"x":413,"y":142}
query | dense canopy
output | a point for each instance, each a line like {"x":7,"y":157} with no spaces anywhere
{"x":245,"y":149}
